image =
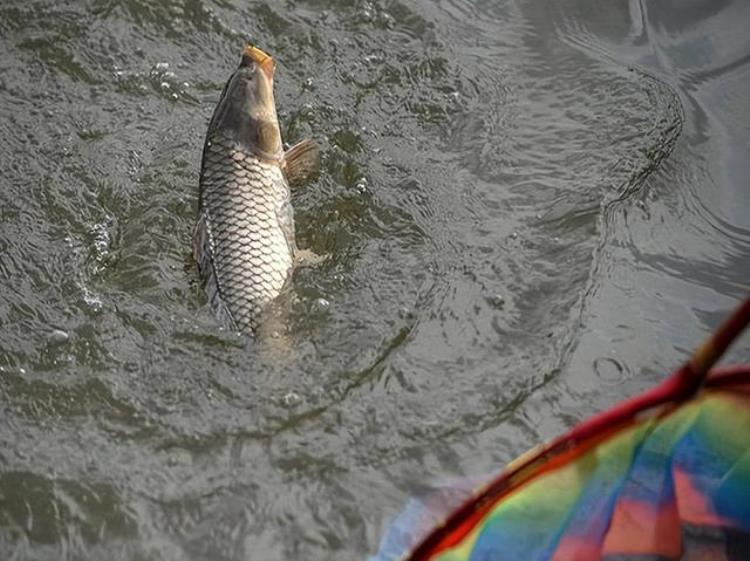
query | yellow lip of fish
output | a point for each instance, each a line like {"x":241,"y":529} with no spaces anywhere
{"x":262,"y":59}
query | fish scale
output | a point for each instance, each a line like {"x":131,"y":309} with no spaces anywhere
{"x":248,"y":243}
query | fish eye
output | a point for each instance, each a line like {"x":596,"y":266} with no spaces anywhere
{"x":248,"y":63}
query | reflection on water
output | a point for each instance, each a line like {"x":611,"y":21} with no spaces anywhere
{"x":529,"y":212}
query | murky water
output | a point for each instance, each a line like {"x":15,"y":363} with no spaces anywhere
{"x":530,"y":211}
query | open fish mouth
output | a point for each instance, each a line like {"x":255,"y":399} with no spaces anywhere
{"x":262,"y":59}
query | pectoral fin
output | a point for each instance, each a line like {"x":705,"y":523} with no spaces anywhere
{"x":301,"y":162}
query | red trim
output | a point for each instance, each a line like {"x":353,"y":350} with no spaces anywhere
{"x":732,"y":375}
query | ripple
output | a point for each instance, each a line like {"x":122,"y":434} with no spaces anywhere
{"x":609,"y":369}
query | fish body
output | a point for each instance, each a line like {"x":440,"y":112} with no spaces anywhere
{"x":244,"y":239}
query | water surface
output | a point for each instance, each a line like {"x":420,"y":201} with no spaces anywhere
{"x":529,"y":211}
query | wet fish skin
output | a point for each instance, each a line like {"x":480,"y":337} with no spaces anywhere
{"x":249,"y":229}
{"x":244,"y":239}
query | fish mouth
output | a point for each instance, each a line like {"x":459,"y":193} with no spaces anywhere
{"x":262,"y":59}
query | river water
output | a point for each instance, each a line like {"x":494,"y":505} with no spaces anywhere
{"x":529,"y":209}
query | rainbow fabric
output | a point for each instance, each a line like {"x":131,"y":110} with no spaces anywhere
{"x":667,"y":483}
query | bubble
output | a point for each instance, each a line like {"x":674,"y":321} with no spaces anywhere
{"x":367,"y":12}
{"x":291,"y":399}
{"x":361,"y":185}
{"x":102,"y":237}
{"x":92,"y":300}
{"x":496,"y":301}
{"x":387,"y":20}
{"x":406,"y":313}
{"x":322,"y":304}
{"x":161,"y":66}
{"x":57,"y":337}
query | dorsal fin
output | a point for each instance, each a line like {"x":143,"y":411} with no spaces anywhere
{"x":301,"y":162}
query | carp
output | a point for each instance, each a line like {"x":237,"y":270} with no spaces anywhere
{"x":244,"y":241}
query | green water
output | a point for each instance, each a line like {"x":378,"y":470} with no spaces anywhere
{"x":529,"y":210}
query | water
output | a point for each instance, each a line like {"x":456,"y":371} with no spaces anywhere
{"x":530,"y":211}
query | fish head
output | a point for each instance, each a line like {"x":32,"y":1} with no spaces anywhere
{"x":246,"y":112}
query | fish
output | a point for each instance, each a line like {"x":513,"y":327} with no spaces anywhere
{"x":243,"y":241}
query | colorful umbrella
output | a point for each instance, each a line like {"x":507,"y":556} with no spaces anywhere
{"x":664,"y":476}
